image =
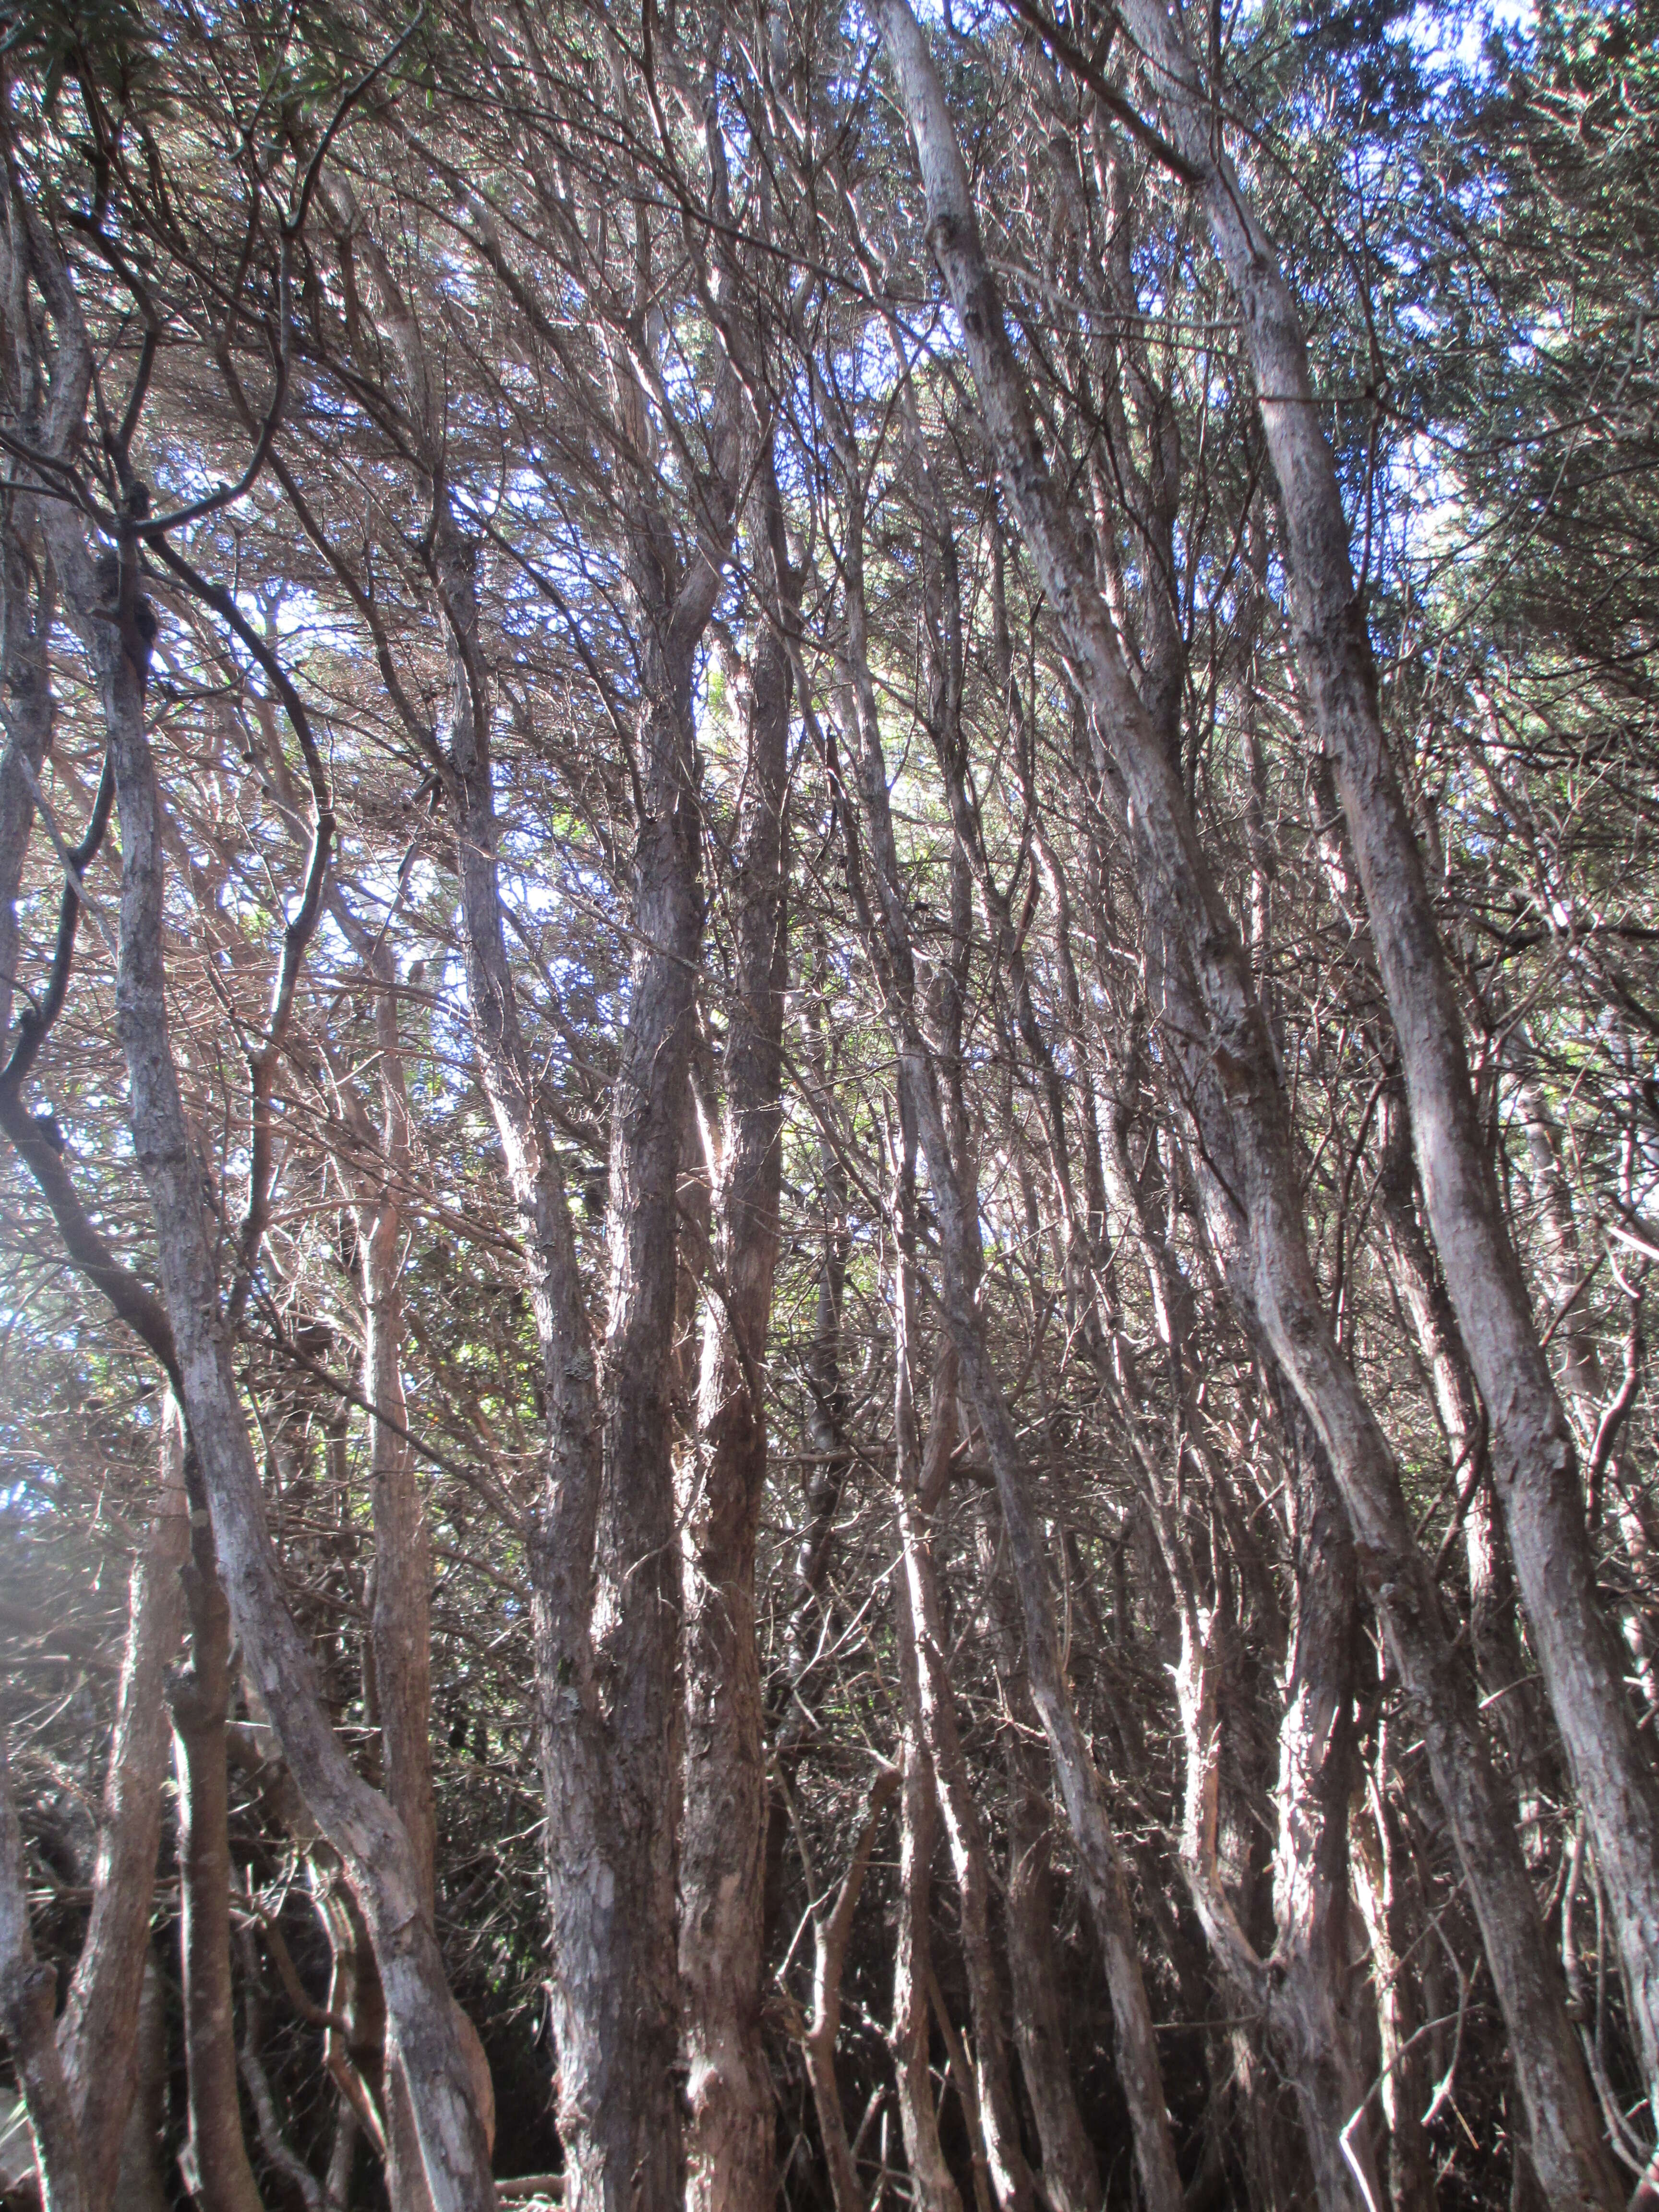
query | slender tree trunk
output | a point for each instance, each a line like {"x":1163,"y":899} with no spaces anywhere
{"x":1384,"y":1885}
{"x":913,"y":1951}
{"x":1534,"y":1464}
{"x":400,"y":1617}
{"x":828,"y":1455}
{"x":98,"y":2032}
{"x":1310,"y":2012}
{"x":1070,"y":2178}
{"x":24,"y":626}
{"x":1102,"y":1866}
{"x":604,"y":1554}
{"x":27,"y":2014}
{"x":923,"y":1477}
{"x":636,"y":1606}
{"x":817,"y":2036}
{"x":97,"y":2035}
{"x":1302,"y":1989}
{"x":1254,"y":1217}
{"x":200,"y":1695}
{"x":400,"y":1631}
{"x":372,"y":1842}
{"x":141,"y":2184}
{"x":116,"y":633}
{"x":1504,"y":1676}
{"x":731,"y":2122}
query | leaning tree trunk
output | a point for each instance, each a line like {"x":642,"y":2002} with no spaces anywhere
{"x":372,"y":1842}
{"x":140,"y":2181}
{"x":97,"y":2035}
{"x":1534,"y":1466}
{"x":1300,"y":1991}
{"x":24,"y":626}
{"x":1383,"y":1892}
{"x":400,"y":1629}
{"x":117,"y":630}
{"x":1255,"y":1216}
{"x":1509,"y":1687}
{"x":602,"y":1551}
{"x":1310,"y":2012}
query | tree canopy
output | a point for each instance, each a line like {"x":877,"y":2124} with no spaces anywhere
{"x":829,"y":1008}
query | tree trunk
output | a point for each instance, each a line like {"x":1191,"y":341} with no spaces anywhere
{"x":730,"y":2118}
{"x":817,"y":2036}
{"x":1310,"y":2008}
{"x":98,"y":2033}
{"x":1070,"y":2178}
{"x":25,"y":625}
{"x":199,"y":1696}
{"x":372,"y":1842}
{"x":27,"y":2009}
{"x":1302,"y":1989}
{"x":116,"y":633}
{"x":1382,"y":1886}
{"x":1534,"y":1464}
{"x":400,"y":1629}
{"x":912,"y":2033}
{"x":828,"y":1453}
{"x":1504,"y":1676}
{"x":1079,"y":1780}
{"x":141,"y":2184}
{"x":1234,"y":1090}
{"x":923,"y":1477}
{"x":604,"y":1552}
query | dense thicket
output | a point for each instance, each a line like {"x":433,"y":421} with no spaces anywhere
{"x":828,"y":1023}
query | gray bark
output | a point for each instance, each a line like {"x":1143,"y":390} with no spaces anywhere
{"x":141,"y":2180}
{"x":1384,"y":1885}
{"x":1534,"y":1464}
{"x":372,"y":1842}
{"x":817,"y":2035}
{"x":1071,"y":2175}
{"x":1101,"y":1867}
{"x":1504,"y":1676}
{"x":400,"y":1639}
{"x":912,"y":2034}
{"x":99,"y":2031}
{"x":98,"y":2037}
{"x":1236,"y":1096}
{"x":603,"y":1549}
{"x":923,"y":1475}
{"x":116,"y":631}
